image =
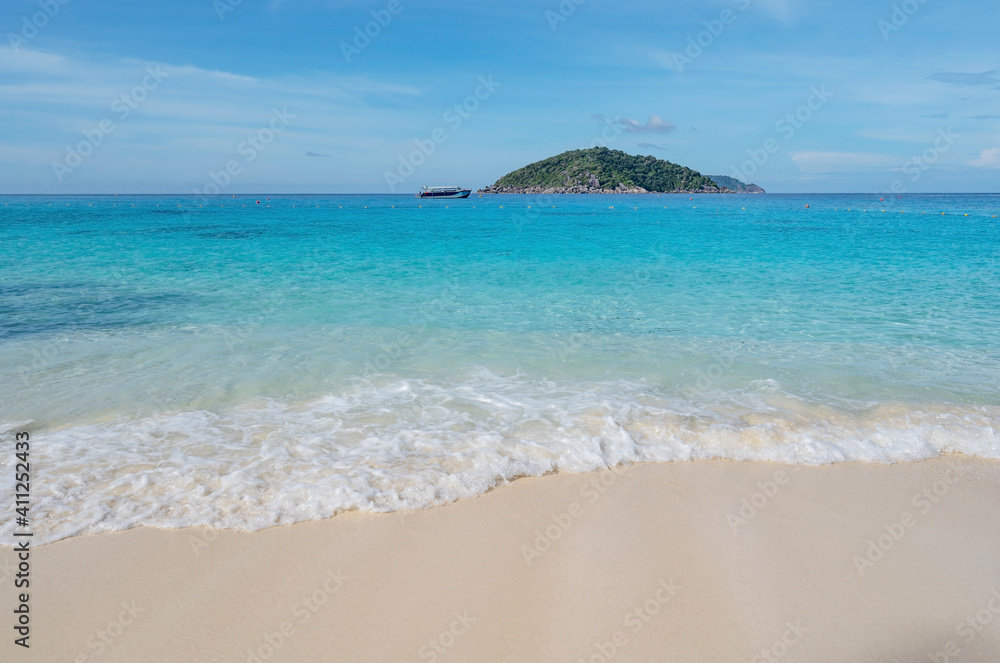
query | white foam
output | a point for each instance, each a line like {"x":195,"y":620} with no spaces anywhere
{"x":410,"y":444}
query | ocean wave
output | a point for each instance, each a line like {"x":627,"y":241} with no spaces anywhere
{"x":398,"y":444}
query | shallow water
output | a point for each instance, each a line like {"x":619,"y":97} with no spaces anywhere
{"x":219,"y":362}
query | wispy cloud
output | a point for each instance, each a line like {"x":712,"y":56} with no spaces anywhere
{"x":783,"y":10}
{"x":984,"y":117}
{"x":28,"y":61}
{"x":894,"y":134}
{"x":651,"y":146}
{"x":223,"y":76}
{"x":957,"y":78}
{"x":310,"y":153}
{"x":937,"y":116}
{"x":989,"y":158}
{"x":654,"y":125}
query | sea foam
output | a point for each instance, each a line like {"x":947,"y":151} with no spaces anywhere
{"x":400,"y":444}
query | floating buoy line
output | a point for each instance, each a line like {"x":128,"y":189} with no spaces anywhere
{"x":420,"y":206}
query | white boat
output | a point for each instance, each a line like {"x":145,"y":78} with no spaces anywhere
{"x":444,"y":192}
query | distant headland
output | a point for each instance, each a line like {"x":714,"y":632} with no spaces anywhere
{"x":602,"y":170}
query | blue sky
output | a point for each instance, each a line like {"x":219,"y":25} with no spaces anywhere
{"x":104,"y":96}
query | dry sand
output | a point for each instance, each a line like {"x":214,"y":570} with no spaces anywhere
{"x":648,"y":563}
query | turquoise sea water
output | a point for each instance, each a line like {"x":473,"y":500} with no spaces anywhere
{"x":216,"y":361}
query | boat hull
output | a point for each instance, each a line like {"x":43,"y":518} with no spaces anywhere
{"x":464,"y":193}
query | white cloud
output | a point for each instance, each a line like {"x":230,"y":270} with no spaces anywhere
{"x":28,"y":61}
{"x":214,"y":74}
{"x":988,"y":158}
{"x":654,"y":125}
{"x":782,"y":10}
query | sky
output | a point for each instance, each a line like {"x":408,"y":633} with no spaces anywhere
{"x":359,"y":96}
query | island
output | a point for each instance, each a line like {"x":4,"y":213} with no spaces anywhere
{"x":603,"y":170}
{"x":734,"y":185}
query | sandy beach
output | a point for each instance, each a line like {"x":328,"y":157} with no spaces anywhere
{"x":701,"y":561}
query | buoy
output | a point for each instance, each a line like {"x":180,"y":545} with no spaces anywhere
{"x":258,"y":202}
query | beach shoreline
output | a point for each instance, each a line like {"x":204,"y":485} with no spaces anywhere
{"x":696,"y":561}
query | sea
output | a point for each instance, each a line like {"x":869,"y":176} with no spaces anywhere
{"x":249,"y":361}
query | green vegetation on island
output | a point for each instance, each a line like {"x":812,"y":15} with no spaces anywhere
{"x":602,"y":170}
{"x":735,"y":185}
